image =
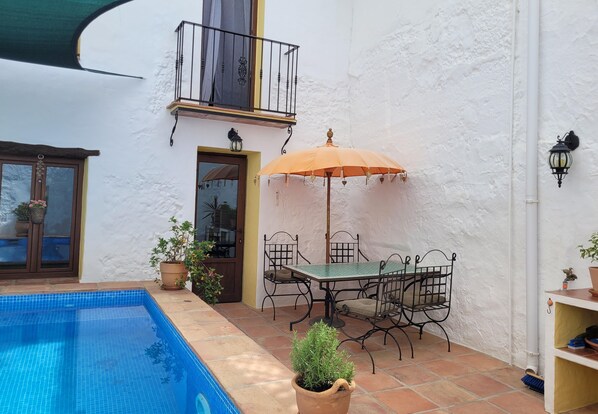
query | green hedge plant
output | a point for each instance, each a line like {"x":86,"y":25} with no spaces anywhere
{"x":317,"y":361}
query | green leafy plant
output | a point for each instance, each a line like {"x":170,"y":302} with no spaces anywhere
{"x":22,"y":211}
{"x":205,"y":279}
{"x":591,"y":252}
{"x":174,"y":248}
{"x":317,"y":361}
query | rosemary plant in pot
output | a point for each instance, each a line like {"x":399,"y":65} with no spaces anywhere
{"x":324,"y":375}
{"x":591,"y":252}
{"x":169,"y":254}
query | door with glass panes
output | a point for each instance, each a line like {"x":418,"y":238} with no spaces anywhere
{"x":30,"y":247}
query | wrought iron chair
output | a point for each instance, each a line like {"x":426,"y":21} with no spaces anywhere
{"x":283,"y":249}
{"x":427,"y":292}
{"x":381,"y":309}
{"x":344,"y":248}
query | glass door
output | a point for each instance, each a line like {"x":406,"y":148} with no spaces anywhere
{"x":34,"y":246}
{"x":220,"y":216}
{"x":16,"y":188}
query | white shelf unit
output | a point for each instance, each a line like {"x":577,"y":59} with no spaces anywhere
{"x":571,"y":376}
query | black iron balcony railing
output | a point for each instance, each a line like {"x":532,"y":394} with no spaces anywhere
{"x":220,"y":68}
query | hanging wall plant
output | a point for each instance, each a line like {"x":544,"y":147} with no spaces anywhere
{"x":37,"y":211}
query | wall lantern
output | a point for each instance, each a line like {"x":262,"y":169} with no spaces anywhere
{"x":560,"y":158}
{"x":236,"y":143}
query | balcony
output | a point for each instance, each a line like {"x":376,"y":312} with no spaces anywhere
{"x":224,"y":75}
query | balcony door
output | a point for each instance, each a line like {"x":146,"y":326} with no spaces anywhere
{"x":220,"y":217}
{"x":228,"y":52}
{"x":49,"y":248}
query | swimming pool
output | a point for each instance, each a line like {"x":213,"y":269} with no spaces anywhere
{"x":99,"y":352}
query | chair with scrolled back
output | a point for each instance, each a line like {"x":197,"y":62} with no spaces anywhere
{"x":382,"y":309}
{"x":427,"y":291}
{"x":344,"y":248}
{"x":283,"y":249}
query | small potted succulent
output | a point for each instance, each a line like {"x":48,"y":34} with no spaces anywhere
{"x":37,"y":211}
{"x":169,"y":255}
{"x":22,"y":223}
{"x":591,"y":252}
{"x":324,"y":375}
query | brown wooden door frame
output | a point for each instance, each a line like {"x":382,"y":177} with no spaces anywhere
{"x":33,"y":268}
{"x":241,"y":161}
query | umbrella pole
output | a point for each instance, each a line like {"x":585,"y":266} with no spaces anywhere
{"x":328,"y":175}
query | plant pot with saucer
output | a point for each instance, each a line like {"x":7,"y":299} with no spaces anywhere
{"x":324,"y":375}
{"x":591,"y":252}
{"x":22,"y":223}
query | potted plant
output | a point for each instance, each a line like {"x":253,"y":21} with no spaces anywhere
{"x":591,"y":252}
{"x":22,"y":223}
{"x":205,"y":279}
{"x":324,"y":375}
{"x":169,"y":255}
{"x":37,"y":210}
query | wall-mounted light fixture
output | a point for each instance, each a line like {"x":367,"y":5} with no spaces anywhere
{"x":236,"y":142}
{"x":560,"y":159}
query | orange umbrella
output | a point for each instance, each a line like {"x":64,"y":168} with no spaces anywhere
{"x":332,"y":161}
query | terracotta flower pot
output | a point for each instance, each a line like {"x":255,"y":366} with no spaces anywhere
{"x":334,"y":400}
{"x":22,"y":228}
{"x":174,"y":275}
{"x":594,"y":277}
{"x":37,"y":215}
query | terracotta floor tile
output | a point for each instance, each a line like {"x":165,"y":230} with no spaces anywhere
{"x":275,"y":342}
{"x":509,"y":375}
{"x":480,"y":361}
{"x":477,"y":407}
{"x":444,"y":393}
{"x":58,"y":280}
{"x":441,"y":349}
{"x":518,"y":403}
{"x":446,"y":368}
{"x":25,"y":289}
{"x":376,"y":382}
{"x":413,"y":374}
{"x":404,"y":401}
{"x":481,"y":385}
{"x":247,"y":322}
{"x":365,"y":404}
{"x":42,"y":281}
{"x":74,"y":287}
{"x":260,"y":331}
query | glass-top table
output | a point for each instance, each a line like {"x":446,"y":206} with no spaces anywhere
{"x":325,"y":274}
{"x":336,"y":272}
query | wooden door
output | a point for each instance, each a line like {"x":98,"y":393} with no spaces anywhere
{"x":220,"y":217}
{"x":49,"y":248}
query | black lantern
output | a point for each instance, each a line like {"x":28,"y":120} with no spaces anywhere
{"x":560,"y":158}
{"x":236,"y":143}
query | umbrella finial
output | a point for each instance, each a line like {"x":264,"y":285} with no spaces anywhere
{"x":329,"y":134}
